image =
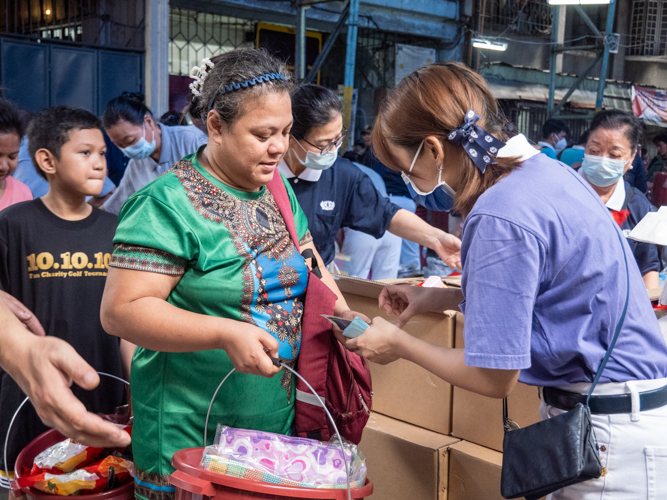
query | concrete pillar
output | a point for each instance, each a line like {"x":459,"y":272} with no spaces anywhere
{"x":623,"y":20}
{"x":300,"y":57}
{"x":157,"y":56}
{"x":562,"y":14}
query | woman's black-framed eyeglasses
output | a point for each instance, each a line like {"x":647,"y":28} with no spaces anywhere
{"x":329,"y":147}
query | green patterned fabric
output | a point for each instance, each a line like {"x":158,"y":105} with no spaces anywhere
{"x":236,"y":261}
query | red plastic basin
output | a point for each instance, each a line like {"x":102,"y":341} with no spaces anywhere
{"x":38,"y":445}
{"x":190,"y":480}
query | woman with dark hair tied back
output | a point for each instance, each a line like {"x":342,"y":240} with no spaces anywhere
{"x":610,"y":151}
{"x":334,"y":193}
{"x":551,"y":294}
{"x":205,"y":276}
{"x":153,"y":148}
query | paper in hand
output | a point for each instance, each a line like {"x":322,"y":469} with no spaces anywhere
{"x":652,"y":228}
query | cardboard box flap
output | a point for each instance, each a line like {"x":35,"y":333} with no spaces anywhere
{"x":372,"y":289}
{"x":359,"y":286}
{"x":410,"y":433}
{"x":480,"y":452}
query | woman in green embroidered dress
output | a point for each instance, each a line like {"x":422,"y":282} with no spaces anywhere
{"x":205,"y":277}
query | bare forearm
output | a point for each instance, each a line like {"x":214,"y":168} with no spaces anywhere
{"x":153,"y":323}
{"x":448,"y":364}
{"x":411,"y":227}
{"x":341,"y":304}
{"x":444,"y":299}
{"x":14,"y":338}
{"x":651,"y":280}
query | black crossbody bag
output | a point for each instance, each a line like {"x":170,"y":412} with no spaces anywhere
{"x":557,"y":452}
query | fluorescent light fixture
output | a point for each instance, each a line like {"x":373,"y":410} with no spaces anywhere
{"x":579,"y":2}
{"x":482,"y":43}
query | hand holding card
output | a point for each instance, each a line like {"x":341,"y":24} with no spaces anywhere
{"x":351,"y":328}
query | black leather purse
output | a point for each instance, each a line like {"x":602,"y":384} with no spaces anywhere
{"x":556,"y":452}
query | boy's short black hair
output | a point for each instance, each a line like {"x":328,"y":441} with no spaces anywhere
{"x":554,"y":126}
{"x":661,"y":137}
{"x":10,"y":119}
{"x":50,"y":129}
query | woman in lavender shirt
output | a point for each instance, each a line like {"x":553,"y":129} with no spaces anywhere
{"x":544,"y":278}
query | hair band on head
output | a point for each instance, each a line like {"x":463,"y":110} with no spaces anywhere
{"x":476,"y":141}
{"x":248,"y":83}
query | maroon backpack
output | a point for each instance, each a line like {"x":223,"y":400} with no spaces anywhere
{"x":341,"y":378}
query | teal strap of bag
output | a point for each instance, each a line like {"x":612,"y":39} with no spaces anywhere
{"x":619,"y":326}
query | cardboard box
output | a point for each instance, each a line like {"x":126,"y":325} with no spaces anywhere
{"x":401,"y":389}
{"x":405,"y":461}
{"x":479,"y":419}
{"x":474,"y":472}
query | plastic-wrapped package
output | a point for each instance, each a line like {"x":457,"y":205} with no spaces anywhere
{"x":68,"y":455}
{"x":65,"y":484}
{"x":91,"y":479}
{"x":286,"y":460}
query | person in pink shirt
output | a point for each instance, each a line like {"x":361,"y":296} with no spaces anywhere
{"x":12,"y":191}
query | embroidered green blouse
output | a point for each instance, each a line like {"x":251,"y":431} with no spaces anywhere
{"x":236,"y":260}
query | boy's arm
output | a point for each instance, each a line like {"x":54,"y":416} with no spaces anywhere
{"x":24,"y":314}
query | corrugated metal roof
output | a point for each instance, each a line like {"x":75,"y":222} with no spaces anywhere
{"x":615,"y":98}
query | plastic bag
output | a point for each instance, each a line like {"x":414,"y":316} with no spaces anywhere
{"x":287,"y":460}
{"x":91,"y":479}
{"x":68,"y":455}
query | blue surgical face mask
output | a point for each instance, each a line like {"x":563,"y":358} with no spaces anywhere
{"x":439,"y":199}
{"x":601,"y":171}
{"x":560,"y":145}
{"x":317,"y":161}
{"x":141,"y":149}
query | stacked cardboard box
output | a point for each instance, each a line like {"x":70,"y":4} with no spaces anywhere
{"x":424,"y":440}
{"x":405,"y":461}
{"x":403,"y":390}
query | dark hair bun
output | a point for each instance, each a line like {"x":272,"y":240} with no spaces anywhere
{"x":135,"y":96}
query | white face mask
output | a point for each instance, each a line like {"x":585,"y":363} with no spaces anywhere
{"x":440,"y":200}
{"x":317,"y":161}
{"x":560,"y":145}
{"x":141,"y":149}
{"x":602,"y":171}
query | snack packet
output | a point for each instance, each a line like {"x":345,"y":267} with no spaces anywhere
{"x":67,"y":455}
{"x":92,"y":479}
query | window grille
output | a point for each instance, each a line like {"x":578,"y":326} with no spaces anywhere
{"x":196,"y":35}
{"x":526,"y":17}
{"x":648,"y":29}
{"x":103,"y":23}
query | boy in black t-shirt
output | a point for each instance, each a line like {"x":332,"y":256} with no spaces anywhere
{"x":54,"y":257}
